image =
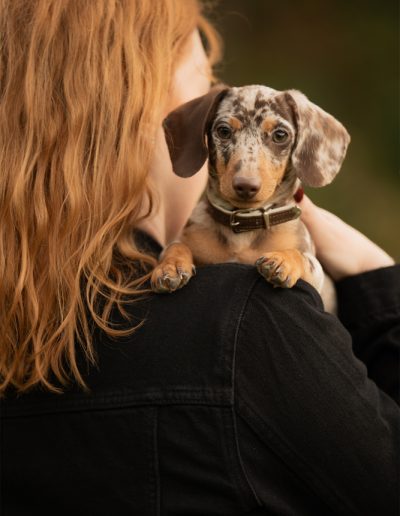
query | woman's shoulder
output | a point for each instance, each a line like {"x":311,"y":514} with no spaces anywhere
{"x":215,"y":288}
{"x":190,"y":338}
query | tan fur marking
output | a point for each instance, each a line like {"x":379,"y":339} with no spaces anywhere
{"x":263,"y":167}
{"x":220,"y":168}
{"x":235,"y":123}
{"x":270,"y":173}
{"x":206,"y":246}
{"x":268,"y":125}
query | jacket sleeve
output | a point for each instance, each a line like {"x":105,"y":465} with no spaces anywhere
{"x":305,"y":402}
{"x":369,"y":307}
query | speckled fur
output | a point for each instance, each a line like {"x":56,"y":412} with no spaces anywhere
{"x":313,"y":152}
{"x":251,"y":152}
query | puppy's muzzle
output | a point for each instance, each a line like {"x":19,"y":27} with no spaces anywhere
{"x":246,"y":187}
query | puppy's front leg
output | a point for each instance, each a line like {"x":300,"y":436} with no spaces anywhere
{"x":174,"y":270}
{"x":284,"y":268}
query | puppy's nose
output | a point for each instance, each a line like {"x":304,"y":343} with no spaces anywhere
{"x":246,"y":187}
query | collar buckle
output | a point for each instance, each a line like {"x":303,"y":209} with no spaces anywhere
{"x":265,"y":215}
{"x":234,"y":223}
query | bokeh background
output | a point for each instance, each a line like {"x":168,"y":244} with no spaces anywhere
{"x":344,"y":55}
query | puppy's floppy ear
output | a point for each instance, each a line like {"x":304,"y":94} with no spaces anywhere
{"x":321,"y":142}
{"x":185,"y":131}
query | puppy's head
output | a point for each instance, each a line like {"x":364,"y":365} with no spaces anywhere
{"x":258,"y":140}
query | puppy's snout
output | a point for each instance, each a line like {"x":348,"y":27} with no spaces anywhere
{"x":246,"y":187}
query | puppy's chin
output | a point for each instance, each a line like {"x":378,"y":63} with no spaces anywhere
{"x":229,"y":199}
{"x":251,"y":204}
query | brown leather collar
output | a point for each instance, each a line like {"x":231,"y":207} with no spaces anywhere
{"x":248,"y":220}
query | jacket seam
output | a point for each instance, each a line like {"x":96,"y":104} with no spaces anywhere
{"x":122,"y":406}
{"x":282,"y":449}
{"x":195,"y":396}
{"x":126,"y":394}
{"x":233,"y":384}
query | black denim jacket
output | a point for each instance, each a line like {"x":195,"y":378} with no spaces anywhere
{"x":233,"y":398}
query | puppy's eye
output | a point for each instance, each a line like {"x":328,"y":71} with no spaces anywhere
{"x":280,"y":136}
{"x":224,"y":131}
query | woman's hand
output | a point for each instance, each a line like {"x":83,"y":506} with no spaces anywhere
{"x":342,"y":250}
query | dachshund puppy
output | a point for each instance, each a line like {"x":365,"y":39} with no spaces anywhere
{"x":261,"y":144}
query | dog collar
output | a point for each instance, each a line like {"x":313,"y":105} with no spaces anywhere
{"x":242,"y":220}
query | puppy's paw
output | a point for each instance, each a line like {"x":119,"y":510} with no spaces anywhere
{"x":168,"y":277}
{"x":174,"y":270}
{"x":281,"y":268}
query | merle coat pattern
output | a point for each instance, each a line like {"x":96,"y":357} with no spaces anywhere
{"x":261,"y":145}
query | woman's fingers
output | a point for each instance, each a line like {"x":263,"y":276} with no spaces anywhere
{"x":342,"y":250}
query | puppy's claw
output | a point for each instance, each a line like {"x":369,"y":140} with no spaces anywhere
{"x":267,"y":268}
{"x":161,"y":286}
{"x":287,"y":283}
{"x":280,"y":268}
{"x":260,"y":261}
{"x":173,"y":283}
{"x":185,"y":277}
{"x":168,"y":278}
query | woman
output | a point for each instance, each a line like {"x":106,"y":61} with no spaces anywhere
{"x":116,"y":401}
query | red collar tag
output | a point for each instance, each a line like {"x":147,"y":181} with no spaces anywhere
{"x":299,"y":194}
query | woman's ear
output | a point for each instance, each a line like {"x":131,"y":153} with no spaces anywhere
{"x":185,"y":131}
{"x":321,"y":142}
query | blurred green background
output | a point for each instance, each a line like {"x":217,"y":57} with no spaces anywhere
{"x":343,"y":55}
